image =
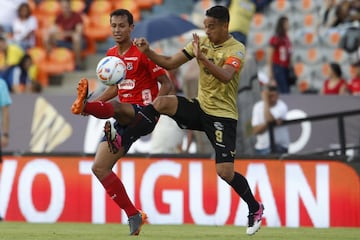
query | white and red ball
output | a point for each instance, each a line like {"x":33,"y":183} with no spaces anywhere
{"x":111,"y":70}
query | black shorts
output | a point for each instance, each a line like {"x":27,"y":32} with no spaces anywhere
{"x":120,"y":128}
{"x":220,"y":131}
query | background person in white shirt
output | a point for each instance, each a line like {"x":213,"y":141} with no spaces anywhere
{"x":267,"y":110}
{"x":24,"y":27}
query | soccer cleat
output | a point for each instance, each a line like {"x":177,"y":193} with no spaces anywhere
{"x":113,"y":139}
{"x":82,"y":94}
{"x":136,"y":222}
{"x":255,"y":220}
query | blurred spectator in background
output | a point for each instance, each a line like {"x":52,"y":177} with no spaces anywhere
{"x":354,"y":10}
{"x":279,"y":55}
{"x":354,"y":84}
{"x":167,"y":137}
{"x":241,"y":14}
{"x":349,"y":25}
{"x":334,"y":84}
{"x":327,"y":15}
{"x":270,"y":109}
{"x":67,"y":32}
{"x":17,"y":76}
{"x":24,"y":27}
{"x":8,"y":14}
{"x":10,"y":54}
{"x":248,"y":94}
{"x":5,"y":102}
{"x":347,"y":12}
{"x":261,"y":4}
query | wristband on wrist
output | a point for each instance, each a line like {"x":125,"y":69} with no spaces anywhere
{"x":5,"y":135}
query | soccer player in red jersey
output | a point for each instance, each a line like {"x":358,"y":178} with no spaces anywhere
{"x":139,"y":89}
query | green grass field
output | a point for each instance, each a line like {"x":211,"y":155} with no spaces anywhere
{"x":83,"y":231}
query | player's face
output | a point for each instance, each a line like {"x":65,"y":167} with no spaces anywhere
{"x":216,"y":31}
{"x":120,"y":28}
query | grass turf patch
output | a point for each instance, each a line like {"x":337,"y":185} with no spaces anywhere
{"x":86,"y":231}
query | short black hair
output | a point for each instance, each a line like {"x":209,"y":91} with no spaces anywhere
{"x":123,"y":12}
{"x":219,"y":12}
{"x":335,"y":67}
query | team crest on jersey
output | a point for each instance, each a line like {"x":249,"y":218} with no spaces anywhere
{"x":204,"y":50}
{"x":129,"y":66}
{"x":240,"y":54}
{"x":218,"y":126}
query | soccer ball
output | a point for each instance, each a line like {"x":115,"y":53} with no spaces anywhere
{"x":111,"y":70}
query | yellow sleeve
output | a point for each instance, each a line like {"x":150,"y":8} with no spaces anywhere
{"x":15,"y":53}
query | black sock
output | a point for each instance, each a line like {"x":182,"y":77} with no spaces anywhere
{"x":242,"y":188}
{"x":144,"y":123}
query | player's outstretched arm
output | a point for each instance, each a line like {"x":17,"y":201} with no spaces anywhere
{"x":167,"y":62}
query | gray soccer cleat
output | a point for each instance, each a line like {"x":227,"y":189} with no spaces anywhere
{"x":136,"y":222}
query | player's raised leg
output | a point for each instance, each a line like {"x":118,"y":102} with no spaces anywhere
{"x":82,"y":94}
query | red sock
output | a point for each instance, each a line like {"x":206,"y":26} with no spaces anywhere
{"x":116,"y":190}
{"x":99,"y":109}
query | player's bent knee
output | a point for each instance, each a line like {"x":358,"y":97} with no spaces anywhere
{"x":99,"y":172}
{"x":225,"y":173}
{"x":165,"y":104}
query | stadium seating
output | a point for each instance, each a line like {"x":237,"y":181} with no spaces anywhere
{"x":280,"y":6}
{"x":100,"y":7}
{"x":97,"y":27}
{"x":337,"y":55}
{"x":260,"y":22}
{"x":48,"y":8}
{"x":306,"y":37}
{"x":78,"y":6}
{"x":302,"y":70}
{"x":58,"y":61}
{"x":312,"y":49}
{"x":130,"y":5}
{"x":305,"y":6}
{"x":259,"y":39}
{"x":38,"y":56}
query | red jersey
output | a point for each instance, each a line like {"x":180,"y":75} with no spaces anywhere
{"x":140,"y":86}
{"x":334,"y":90}
{"x":282,"y":50}
{"x":68,"y":23}
{"x":354,"y":86}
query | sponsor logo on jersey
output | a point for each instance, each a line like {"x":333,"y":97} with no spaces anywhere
{"x":131,"y":58}
{"x":127,"y":84}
